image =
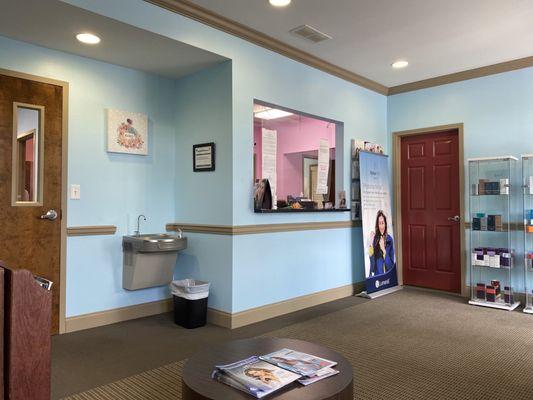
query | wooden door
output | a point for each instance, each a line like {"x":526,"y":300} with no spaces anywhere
{"x":30,"y":179}
{"x":430,"y":208}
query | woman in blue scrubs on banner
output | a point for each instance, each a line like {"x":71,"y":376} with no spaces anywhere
{"x":381,"y":249}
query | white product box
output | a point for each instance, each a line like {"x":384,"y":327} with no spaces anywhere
{"x":504,"y":186}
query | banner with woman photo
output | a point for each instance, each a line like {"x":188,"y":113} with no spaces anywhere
{"x":379,"y":251}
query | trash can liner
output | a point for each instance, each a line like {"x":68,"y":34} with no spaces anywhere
{"x":190,"y":296}
{"x":190,"y":289}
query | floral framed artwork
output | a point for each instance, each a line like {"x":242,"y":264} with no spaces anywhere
{"x":127,"y":132}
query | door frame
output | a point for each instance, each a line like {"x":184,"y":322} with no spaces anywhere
{"x":64,"y":174}
{"x":397,"y":184}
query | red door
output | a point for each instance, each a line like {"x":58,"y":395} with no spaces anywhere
{"x":431,"y":250}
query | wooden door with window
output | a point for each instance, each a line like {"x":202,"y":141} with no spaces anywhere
{"x":430,"y":210}
{"x":30,"y":179}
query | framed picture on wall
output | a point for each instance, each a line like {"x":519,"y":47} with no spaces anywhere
{"x":203,"y":157}
{"x":127,"y":132}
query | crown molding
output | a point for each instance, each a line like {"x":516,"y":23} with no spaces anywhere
{"x":207,"y":17}
{"x":191,"y":10}
{"x":463,"y":75}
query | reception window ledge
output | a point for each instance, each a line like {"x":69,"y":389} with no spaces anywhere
{"x":299,"y":210}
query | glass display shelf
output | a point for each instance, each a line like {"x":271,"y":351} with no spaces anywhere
{"x":527,"y":179}
{"x":502,"y":305}
{"x":492,"y":184}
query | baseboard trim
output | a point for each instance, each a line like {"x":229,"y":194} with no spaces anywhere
{"x":215,"y":317}
{"x":219,"y":318}
{"x":108,"y":317}
{"x":268,"y":311}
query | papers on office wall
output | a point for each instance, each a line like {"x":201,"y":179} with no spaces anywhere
{"x":323,"y":167}
{"x":269,"y":156}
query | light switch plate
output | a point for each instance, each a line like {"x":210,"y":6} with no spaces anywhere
{"x":75,"y":192}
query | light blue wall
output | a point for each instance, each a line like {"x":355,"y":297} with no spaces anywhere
{"x":269,"y":268}
{"x":264,"y":75}
{"x":497,"y":112}
{"x":209,"y":258}
{"x":114,"y":188}
{"x":267,"y":76}
{"x":204,"y":114}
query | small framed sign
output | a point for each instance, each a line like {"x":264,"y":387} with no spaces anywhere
{"x":203,"y":157}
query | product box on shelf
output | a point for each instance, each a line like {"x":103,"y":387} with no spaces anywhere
{"x":508,"y":297}
{"x":484,"y":223}
{"x":481,"y":186}
{"x":528,"y":217}
{"x":494,"y":223}
{"x":496,"y":285}
{"x":480,"y":291}
{"x":492,"y":188}
{"x":480,"y":222}
{"x":492,"y":257}
{"x":505,"y":257}
{"x":490,"y":293}
{"x":529,"y":260}
{"x":504,"y":186}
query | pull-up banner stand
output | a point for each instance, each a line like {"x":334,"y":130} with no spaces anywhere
{"x":378,"y":242}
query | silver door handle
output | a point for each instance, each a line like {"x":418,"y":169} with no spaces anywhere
{"x":50,"y":214}
{"x":454,"y":219}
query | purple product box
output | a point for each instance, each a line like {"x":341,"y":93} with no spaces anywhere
{"x":505,"y":257}
{"x":507,"y":294}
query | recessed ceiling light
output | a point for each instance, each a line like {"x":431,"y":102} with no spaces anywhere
{"x":88,"y":38}
{"x":399,"y":64}
{"x":271,"y":113}
{"x":280,"y":3}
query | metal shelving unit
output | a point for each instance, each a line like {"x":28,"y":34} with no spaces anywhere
{"x":527,"y":179}
{"x":492,"y":185}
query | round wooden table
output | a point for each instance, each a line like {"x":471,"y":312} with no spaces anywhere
{"x":197,"y":383}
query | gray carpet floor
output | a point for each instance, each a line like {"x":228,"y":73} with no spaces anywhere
{"x":408,"y":345}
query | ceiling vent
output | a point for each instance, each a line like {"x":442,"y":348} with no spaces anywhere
{"x":309,"y":33}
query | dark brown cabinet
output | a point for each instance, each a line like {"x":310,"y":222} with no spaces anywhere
{"x":25,"y":333}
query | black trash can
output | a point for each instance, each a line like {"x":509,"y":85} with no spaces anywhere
{"x":190,"y":313}
{"x":190,"y":302}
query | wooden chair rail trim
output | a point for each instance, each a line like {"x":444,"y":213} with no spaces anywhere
{"x":91,"y":230}
{"x":264,"y":228}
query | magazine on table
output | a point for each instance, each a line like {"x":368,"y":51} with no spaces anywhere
{"x":254,"y":376}
{"x":295,"y":361}
{"x":260,"y":376}
{"x":321,"y":374}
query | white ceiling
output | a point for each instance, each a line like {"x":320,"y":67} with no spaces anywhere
{"x":437,"y":37}
{"x":54,"y":24}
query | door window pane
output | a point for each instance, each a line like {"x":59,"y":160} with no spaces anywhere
{"x":27,"y":154}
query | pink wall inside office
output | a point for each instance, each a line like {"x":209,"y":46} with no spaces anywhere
{"x":296,"y":138}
